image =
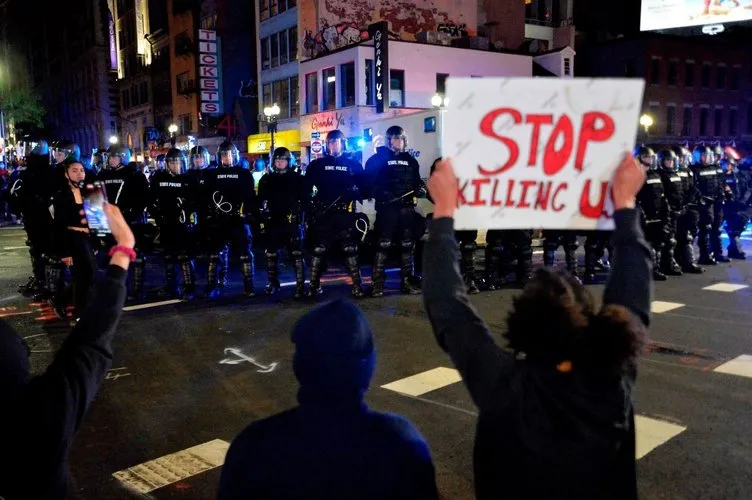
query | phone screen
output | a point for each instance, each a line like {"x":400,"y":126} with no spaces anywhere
{"x":94,"y":198}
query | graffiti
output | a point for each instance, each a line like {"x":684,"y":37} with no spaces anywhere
{"x":243,"y":358}
{"x":455,"y":30}
{"x":332,"y":37}
{"x":247,"y":89}
{"x":116,"y":373}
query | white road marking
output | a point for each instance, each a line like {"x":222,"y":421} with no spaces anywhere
{"x":428,"y":381}
{"x":652,"y":433}
{"x":154,"y":474}
{"x":741,"y":366}
{"x":292,"y":283}
{"x":725,"y":287}
{"x":152,"y":304}
{"x":15,"y":248}
{"x":658,"y":306}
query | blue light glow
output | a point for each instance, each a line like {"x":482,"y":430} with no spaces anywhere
{"x":361,"y":143}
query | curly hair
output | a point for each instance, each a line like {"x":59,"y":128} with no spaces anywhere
{"x":555,"y":320}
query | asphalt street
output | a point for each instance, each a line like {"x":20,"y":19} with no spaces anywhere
{"x":190,"y":376}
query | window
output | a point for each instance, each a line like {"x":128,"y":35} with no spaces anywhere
{"x":312,"y":92}
{"x":126,"y":99}
{"x":182,"y":81}
{"x":705,"y":76}
{"x":670,"y":120}
{"x":265,"y":64}
{"x":282,"y":97}
{"x":273,"y":7}
{"x":689,"y":74}
{"x":370,"y":95}
{"x":273,"y":42}
{"x":134,"y":96}
{"x":294,"y":99}
{"x":718,"y":121}
{"x":267,"y":95}
{"x":277,"y":98}
{"x":735,"y":77}
{"x":347,"y":84}
{"x":396,"y":88}
{"x":291,"y":3}
{"x":292,"y":43}
{"x":704,"y":121}
{"x":143,"y":90}
{"x":567,"y":66}
{"x":185,"y":124}
{"x":720,"y":78}
{"x":329,"y":84}
{"x":733,"y":121}
{"x":673,"y":72}
{"x":281,"y":6}
{"x":687,"y":122}
{"x":283,"y":54}
{"x":209,"y":23}
{"x":655,"y":71}
{"x":264,"y":9}
{"x":441,"y":79}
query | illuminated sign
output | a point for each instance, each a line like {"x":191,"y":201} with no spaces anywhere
{"x":380,"y":35}
{"x":113,"y":42}
{"x":670,"y":14}
{"x":209,"y":72}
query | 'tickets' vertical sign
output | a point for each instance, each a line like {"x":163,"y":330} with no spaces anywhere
{"x":380,"y":35}
{"x":209,"y":72}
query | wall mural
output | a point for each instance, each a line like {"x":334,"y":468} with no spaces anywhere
{"x":327,"y":25}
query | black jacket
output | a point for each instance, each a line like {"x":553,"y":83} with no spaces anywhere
{"x":541,"y":434}
{"x":127,"y":188}
{"x":67,"y":213}
{"x":229,"y":192}
{"x":40,"y":415}
{"x":175,"y":199}
{"x":282,"y":193}
{"x":337,"y":179}
{"x":394,"y":175}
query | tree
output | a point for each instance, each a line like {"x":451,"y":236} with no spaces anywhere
{"x":21,"y":105}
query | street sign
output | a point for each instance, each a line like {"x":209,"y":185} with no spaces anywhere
{"x":317,"y":147}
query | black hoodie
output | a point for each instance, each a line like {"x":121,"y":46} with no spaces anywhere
{"x":541,"y":434}
{"x":41,"y":415}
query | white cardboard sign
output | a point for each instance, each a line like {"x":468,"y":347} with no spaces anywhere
{"x":538,"y":152}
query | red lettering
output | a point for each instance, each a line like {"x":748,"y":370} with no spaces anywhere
{"x":586,"y":208}
{"x":461,"y":200}
{"x":510,"y":187}
{"x":537,"y":121}
{"x":486,"y":128}
{"x":479,"y":183}
{"x":526,"y":185}
{"x":553,"y":159}
{"x":494,"y":201}
{"x":591,"y":133}
{"x":541,"y":201}
{"x":559,"y":188}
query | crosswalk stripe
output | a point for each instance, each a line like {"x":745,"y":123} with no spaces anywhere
{"x":725,"y":287}
{"x":417,"y":385}
{"x":652,"y":433}
{"x":741,"y":366}
{"x":658,"y":306}
{"x":152,"y":304}
{"x":160,"y":472}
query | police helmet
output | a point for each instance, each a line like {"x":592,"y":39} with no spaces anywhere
{"x":395,"y":131}
{"x":336,"y":135}
{"x":71,"y":149}
{"x":644,"y":152}
{"x":684,"y":155}
{"x":123,"y":152}
{"x":667,"y":154}
{"x":176,"y":155}
{"x":228,"y":147}
{"x":200,"y":152}
{"x":717,"y":151}
{"x":41,"y":148}
{"x":699,"y":152}
{"x":282,"y":154}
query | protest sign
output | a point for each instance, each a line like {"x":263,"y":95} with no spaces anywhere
{"x":538,"y":153}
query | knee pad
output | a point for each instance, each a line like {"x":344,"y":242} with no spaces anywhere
{"x":319,"y":250}
{"x":385,"y":245}
{"x":407,"y":244}
{"x":469,"y":247}
{"x":350,"y":250}
{"x":296,"y":253}
{"x":245,"y":258}
{"x":271,"y":254}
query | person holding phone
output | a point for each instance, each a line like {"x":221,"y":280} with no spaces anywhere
{"x":73,"y":237}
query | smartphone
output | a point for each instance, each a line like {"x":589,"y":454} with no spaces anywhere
{"x":94,"y":198}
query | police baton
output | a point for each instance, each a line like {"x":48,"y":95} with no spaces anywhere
{"x":398,"y":198}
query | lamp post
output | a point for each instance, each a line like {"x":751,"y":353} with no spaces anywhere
{"x":440,"y":102}
{"x":271,"y":113}
{"x":646,"y":121}
{"x":172,"y":129}
{"x":113,"y":139}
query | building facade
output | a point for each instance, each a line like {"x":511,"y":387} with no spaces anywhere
{"x":702,"y":97}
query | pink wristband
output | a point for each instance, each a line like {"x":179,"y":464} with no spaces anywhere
{"x":123,"y":249}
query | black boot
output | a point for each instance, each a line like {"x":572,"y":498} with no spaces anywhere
{"x":317,"y":265}
{"x":272,"y":270}
{"x":591,"y":258}
{"x":223,"y":267}
{"x":298,"y":264}
{"x":137,"y":284}
{"x":669,"y":266}
{"x":685,"y":254}
{"x":717,"y":247}
{"x":188,"y":270}
{"x":406,"y":271}
{"x":657,"y":274}
{"x":379,"y":274}
{"x":247,"y":270}
{"x":56,"y":291}
{"x":467,"y":266}
{"x":570,"y":258}
{"x":171,"y":288}
{"x":549,"y":257}
{"x":493,"y":267}
{"x":353,"y":269}
{"x":43,"y":292}
{"x":212,"y":277}
{"x":703,"y":241}
{"x":735,"y":247}
{"x":524,"y":270}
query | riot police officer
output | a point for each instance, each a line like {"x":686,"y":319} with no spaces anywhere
{"x":674,"y":191}
{"x":338,"y":181}
{"x":128,"y":188}
{"x":280,"y":196}
{"x":175,"y":207}
{"x":736,"y":213}
{"x":98,"y":160}
{"x":199,"y":162}
{"x":64,"y":151}
{"x":653,"y":208}
{"x":396,"y":185}
{"x":553,"y":239}
{"x":687,"y":223}
{"x":160,"y":164}
{"x":709,"y":182}
{"x":231,"y":200}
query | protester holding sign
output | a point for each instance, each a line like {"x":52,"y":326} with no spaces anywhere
{"x":556,"y":417}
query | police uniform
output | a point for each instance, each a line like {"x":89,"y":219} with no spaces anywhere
{"x":735,"y":212}
{"x":674,"y":191}
{"x":654,"y":209}
{"x":231,"y":200}
{"x":553,"y":239}
{"x":710,"y":184}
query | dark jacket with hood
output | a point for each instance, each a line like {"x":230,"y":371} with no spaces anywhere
{"x":331,"y":446}
{"x":540,"y":433}
{"x":40,"y":415}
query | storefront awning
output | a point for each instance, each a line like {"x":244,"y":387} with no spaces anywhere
{"x":260,"y":143}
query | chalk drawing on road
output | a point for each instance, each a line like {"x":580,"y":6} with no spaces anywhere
{"x":116,"y":373}
{"x":243,"y":358}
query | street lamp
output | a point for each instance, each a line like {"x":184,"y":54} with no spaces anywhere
{"x":271,"y":113}
{"x":646,"y":121}
{"x":172,"y":129}
{"x":440,"y":102}
{"x":113,"y":139}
